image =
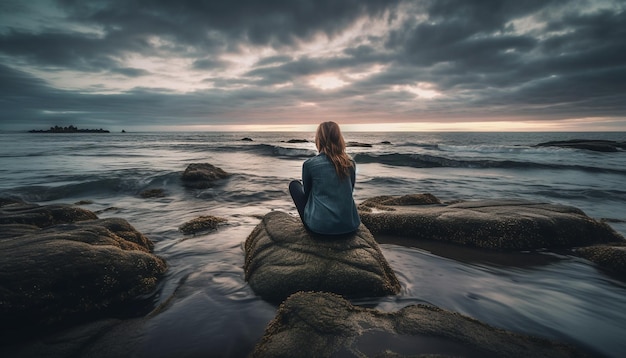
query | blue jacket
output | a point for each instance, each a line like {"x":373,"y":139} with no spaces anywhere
{"x":330,"y":208}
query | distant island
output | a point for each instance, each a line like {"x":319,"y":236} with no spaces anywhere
{"x":70,"y":129}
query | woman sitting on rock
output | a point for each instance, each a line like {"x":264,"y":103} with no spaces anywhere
{"x":324,"y":198}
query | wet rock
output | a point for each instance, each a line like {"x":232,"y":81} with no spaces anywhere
{"x":16,"y":212}
{"x":246,"y":139}
{"x":357,"y":144}
{"x":588,"y":144}
{"x":316,"y":324}
{"x":611,"y":258}
{"x":201,"y":223}
{"x":202,"y":175}
{"x":491,"y":224}
{"x":152,"y":193}
{"x":297,"y":141}
{"x":282,"y":257}
{"x":386,"y":202}
{"x":59,"y":263}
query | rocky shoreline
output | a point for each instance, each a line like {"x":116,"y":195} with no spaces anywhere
{"x":62,"y":265}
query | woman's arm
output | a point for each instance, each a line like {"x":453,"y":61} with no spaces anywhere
{"x":307,"y":182}
{"x":353,"y":174}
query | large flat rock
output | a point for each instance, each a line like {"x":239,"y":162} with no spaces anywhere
{"x":282,"y":257}
{"x":490,"y":224}
{"x":60,"y":263}
{"x":315,"y":324}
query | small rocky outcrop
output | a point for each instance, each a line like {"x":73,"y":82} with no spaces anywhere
{"x":588,"y":144}
{"x":282,"y":257}
{"x":296,"y":141}
{"x":316,"y":324}
{"x":358,"y":144}
{"x":14,"y":211}
{"x":490,"y":224}
{"x":201,"y":223}
{"x":202,"y":175}
{"x":387,"y":202}
{"x":152,"y":193}
{"x":59,"y":263}
{"x":246,"y":139}
{"x":610,"y":258}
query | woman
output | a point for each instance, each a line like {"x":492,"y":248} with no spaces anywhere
{"x":324,"y":199}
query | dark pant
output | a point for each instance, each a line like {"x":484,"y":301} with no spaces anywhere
{"x":297,"y":194}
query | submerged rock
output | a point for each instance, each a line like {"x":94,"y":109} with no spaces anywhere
{"x":282,"y":257}
{"x":297,"y":141}
{"x":491,"y":224}
{"x":358,"y":144}
{"x":69,"y":265}
{"x":611,"y":258}
{"x":17,"y":212}
{"x":152,"y":193}
{"x":202,"y":175}
{"x":316,"y":324}
{"x":588,"y":144}
{"x":386,"y":202}
{"x":201,"y":223}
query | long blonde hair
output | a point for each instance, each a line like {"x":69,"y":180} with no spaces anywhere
{"x":329,"y":141}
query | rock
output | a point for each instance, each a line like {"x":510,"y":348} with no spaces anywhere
{"x":297,"y":141}
{"x":41,"y":216}
{"x":152,"y":193}
{"x":385,"y":202}
{"x":202,"y":223}
{"x":611,"y":258}
{"x":70,"y":271}
{"x":386,"y":142}
{"x":357,"y":144}
{"x":316,"y":324}
{"x":246,"y":139}
{"x":282,"y":257}
{"x":492,"y":224}
{"x":589,"y":144}
{"x":202,"y":175}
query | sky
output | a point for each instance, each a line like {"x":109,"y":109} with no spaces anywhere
{"x":381,"y":65}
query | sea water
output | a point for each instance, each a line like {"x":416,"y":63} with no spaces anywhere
{"x":208,"y":309}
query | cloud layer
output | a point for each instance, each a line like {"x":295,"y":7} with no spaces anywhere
{"x":169,"y":63}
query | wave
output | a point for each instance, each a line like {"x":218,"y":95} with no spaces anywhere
{"x":270,"y":150}
{"x":100,"y":186}
{"x":422,"y":145}
{"x":431,"y":161}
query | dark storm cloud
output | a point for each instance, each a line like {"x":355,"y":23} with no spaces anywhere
{"x":213,"y":24}
{"x":486,"y":59}
{"x":131,"y":72}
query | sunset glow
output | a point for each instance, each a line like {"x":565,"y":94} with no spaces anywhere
{"x":397,"y":65}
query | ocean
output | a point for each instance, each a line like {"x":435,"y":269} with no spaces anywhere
{"x":211,"y":311}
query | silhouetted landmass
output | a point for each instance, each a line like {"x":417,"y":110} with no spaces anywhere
{"x":70,"y":129}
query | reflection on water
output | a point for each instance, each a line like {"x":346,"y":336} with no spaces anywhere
{"x":207,"y":309}
{"x":558,"y":297}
